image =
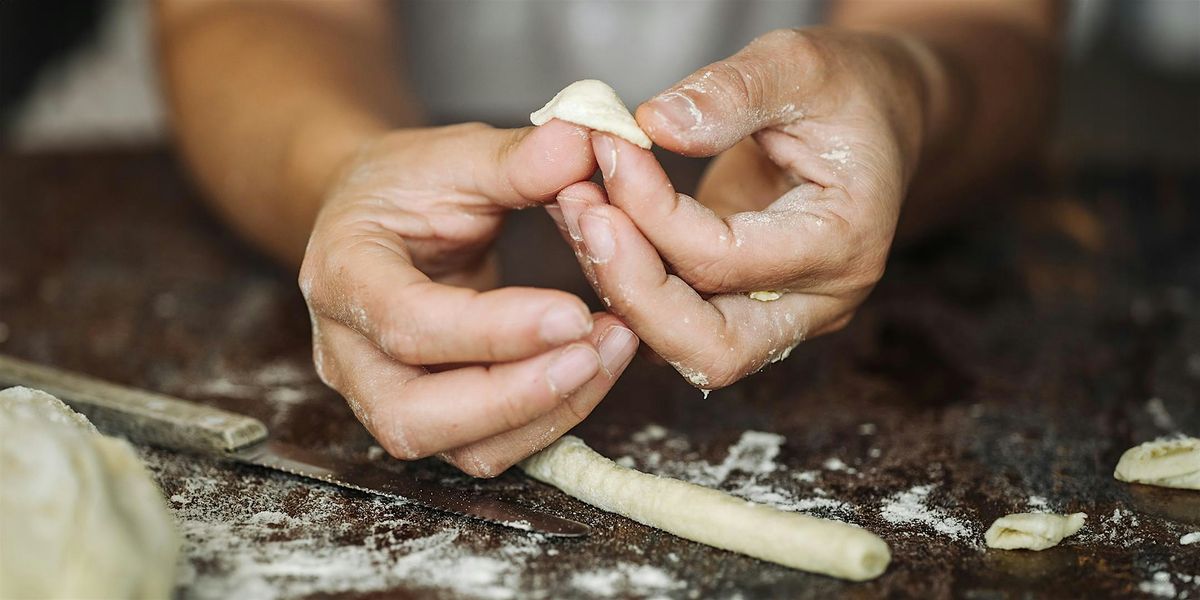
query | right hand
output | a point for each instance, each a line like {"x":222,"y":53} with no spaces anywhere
{"x":394,"y":277}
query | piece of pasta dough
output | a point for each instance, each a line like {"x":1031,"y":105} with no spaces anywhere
{"x":1032,"y":531}
{"x":80,"y":516}
{"x":1173,"y":463}
{"x":595,"y":105}
{"x":766,"y":295}
{"x":710,"y":516}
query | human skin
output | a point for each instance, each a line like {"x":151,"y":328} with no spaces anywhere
{"x":296,"y":120}
{"x":819,"y":135}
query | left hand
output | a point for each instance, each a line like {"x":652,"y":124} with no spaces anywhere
{"x":819,"y":132}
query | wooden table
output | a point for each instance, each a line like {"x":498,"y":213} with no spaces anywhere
{"x":1000,"y":368}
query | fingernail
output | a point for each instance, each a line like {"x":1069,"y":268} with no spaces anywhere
{"x":564,"y":324}
{"x":571,"y":209}
{"x":598,"y":237}
{"x":572,"y":368}
{"x":556,"y":215}
{"x":606,"y":156}
{"x":616,"y":347}
{"x":678,"y":110}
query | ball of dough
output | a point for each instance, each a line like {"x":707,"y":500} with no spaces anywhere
{"x":80,"y":516}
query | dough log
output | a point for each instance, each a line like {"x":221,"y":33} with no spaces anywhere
{"x":710,"y":516}
{"x":1032,"y":531}
{"x":1171,"y":463}
{"x":595,"y":105}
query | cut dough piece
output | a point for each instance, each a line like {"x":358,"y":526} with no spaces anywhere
{"x":710,"y":516}
{"x":766,"y":296}
{"x":1171,"y":463}
{"x":595,"y":105}
{"x":1032,"y":531}
{"x":80,"y":516}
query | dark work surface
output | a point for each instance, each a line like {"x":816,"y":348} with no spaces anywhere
{"x":1016,"y":358}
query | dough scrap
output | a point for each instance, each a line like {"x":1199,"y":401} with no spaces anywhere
{"x":595,"y":105}
{"x":1032,"y":531}
{"x":710,"y":516}
{"x":766,"y":296}
{"x":80,"y":516}
{"x":1173,"y":463}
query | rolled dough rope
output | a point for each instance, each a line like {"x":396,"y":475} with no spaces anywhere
{"x":1171,"y":463}
{"x":595,"y":105}
{"x":1032,"y":531}
{"x":710,"y":516}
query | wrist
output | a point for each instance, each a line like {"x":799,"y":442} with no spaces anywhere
{"x":938,"y":90}
{"x":320,"y":152}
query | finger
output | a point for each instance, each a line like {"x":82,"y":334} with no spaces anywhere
{"x":414,"y":414}
{"x":515,"y":168}
{"x":715,"y":107}
{"x":616,"y":345}
{"x":712,"y":343}
{"x":573,"y":202}
{"x":368,"y":285}
{"x":796,"y":243}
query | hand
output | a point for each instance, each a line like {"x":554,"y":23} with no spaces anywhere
{"x":818,"y":133}
{"x":393,"y":277}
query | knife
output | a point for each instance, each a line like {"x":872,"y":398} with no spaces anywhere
{"x":159,"y":420}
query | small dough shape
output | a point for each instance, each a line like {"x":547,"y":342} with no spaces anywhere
{"x":1173,"y":463}
{"x":80,"y":516}
{"x":710,"y":516}
{"x":595,"y":105}
{"x":1032,"y":531}
{"x":766,"y":296}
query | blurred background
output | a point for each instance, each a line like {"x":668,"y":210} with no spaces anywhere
{"x":81,"y":74}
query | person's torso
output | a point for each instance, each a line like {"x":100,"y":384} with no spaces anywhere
{"x":498,"y":60}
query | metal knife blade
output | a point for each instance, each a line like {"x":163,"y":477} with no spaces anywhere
{"x":164,"y":421}
{"x":369,"y":478}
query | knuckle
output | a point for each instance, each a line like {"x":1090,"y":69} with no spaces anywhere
{"x":307,"y":276}
{"x":720,"y":369}
{"x":709,"y":275}
{"x":724,"y":374}
{"x":511,"y":410}
{"x":865,"y":272}
{"x":841,"y":322}
{"x":738,"y":81}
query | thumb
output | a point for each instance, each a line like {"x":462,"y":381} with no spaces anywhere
{"x":719,"y":105}
{"x":516,"y":168}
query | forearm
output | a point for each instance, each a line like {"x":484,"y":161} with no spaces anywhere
{"x":269,"y":98}
{"x":988,"y":89}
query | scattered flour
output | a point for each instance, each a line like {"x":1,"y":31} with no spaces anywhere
{"x":626,"y":580}
{"x":1159,"y":585}
{"x":911,"y":507}
{"x":748,"y":471}
{"x":836,"y":464}
{"x":1038,"y":504}
{"x":1158,"y":413}
{"x":251,"y":549}
{"x":1118,"y":529}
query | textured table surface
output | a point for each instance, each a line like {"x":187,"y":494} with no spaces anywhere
{"x":1000,"y":369}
